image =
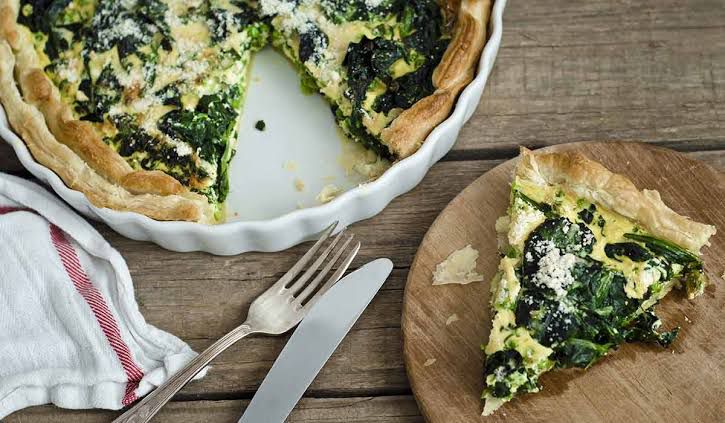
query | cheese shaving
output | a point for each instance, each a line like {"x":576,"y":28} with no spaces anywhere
{"x":452,"y":318}
{"x":459,"y":268}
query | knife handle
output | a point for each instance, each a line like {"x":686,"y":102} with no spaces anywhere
{"x":152,"y":403}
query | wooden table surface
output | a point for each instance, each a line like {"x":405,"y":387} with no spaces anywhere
{"x":649,"y":70}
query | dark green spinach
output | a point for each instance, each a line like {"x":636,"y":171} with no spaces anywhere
{"x":142,"y":150}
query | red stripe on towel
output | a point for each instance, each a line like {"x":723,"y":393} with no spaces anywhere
{"x":6,"y":210}
{"x":95,"y":301}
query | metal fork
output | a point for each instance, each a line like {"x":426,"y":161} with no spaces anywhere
{"x":276,"y":311}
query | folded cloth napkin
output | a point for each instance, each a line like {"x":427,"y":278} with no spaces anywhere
{"x":71,"y":332}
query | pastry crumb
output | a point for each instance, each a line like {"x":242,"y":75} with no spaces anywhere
{"x":290,"y":165}
{"x":429,"y":362}
{"x":687,"y":319}
{"x":452,"y":318}
{"x":328,"y":193}
{"x":299,"y":184}
{"x":459,"y":268}
{"x":357,"y":159}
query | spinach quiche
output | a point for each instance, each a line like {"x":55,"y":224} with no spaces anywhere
{"x":136,"y":103}
{"x":586,"y":257}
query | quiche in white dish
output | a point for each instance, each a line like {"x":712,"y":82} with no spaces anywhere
{"x":135,"y":103}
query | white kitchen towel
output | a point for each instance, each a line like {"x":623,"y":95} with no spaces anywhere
{"x":71,"y":332}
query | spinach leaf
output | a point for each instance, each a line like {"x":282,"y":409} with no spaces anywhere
{"x":45,"y":14}
{"x":312,"y":42}
{"x":142,"y":150}
{"x":575,"y":352}
{"x":340,"y":11}
{"x":645,"y":329}
{"x":49,"y":18}
{"x":666,"y":249}
{"x":632,"y":250}
{"x":223,"y":22}
{"x":354,"y":126}
{"x":208,"y":129}
{"x":587,"y":214}
{"x":542,"y":207}
{"x":170,"y":95}
{"x":501,"y":364}
{"x":101,"y":94}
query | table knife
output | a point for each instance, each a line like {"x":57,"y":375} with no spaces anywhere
{"x":314,"y":341}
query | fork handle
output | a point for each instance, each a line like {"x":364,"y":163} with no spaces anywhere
{"x":152,"y":403}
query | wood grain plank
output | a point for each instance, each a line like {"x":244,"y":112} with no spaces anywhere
{"x":648,"y":70}
{"x":393,"y":409}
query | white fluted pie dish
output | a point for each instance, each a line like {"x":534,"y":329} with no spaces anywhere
{"x":277,"y":174}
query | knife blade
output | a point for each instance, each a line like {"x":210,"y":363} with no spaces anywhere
{"x":314,"y":341}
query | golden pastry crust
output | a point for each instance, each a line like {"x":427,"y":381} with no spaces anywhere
{"x":456,"y":70}
{"x":590,"y":180}
{"x":72,"y":148}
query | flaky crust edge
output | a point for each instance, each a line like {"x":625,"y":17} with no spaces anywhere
{"x":71,"y":148}
{"x":457,"y":68}
{"x":592,"y":181}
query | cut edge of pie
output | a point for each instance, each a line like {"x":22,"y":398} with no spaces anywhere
{"x":575,"y":179}
{"x":77,"y":154}
{"x":455,"y":71}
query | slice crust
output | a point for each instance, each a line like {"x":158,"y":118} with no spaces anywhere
{"x":586,"y":258}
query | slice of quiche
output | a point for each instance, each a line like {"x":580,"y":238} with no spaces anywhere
{"x":385,"y":66}
{"x":587,"y":256}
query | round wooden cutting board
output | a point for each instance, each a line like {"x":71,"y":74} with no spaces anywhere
{"x":445,"y":326}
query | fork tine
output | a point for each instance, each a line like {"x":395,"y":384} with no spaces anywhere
{"x":310,"y":288}
{"x":297,"y":286}
{"x":333,"y":279}
{"x":297,"y":268}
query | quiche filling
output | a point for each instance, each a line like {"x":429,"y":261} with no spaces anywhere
{"x":371,"y":59}
{"x":577,"y":280}
{"x":163,"y":81}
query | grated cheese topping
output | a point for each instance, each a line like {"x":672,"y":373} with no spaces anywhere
{"x":554,"y":268}
{"x":293,"y":18}
{"x":373,"y":3}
